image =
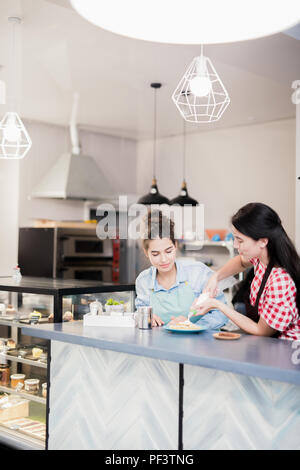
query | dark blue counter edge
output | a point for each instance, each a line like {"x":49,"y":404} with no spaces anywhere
{"x":242,"y":368}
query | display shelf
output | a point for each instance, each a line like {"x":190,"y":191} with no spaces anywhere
{"x":13,"y":438}
{"x":28,"y":396}
{"x":22,"y":360}
{"x":61,"y":294}
{"x":193,"y":249}
{"x":18,"y":324}
{"x":198,"y":245}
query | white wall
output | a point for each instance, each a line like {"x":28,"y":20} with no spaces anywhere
{"x":115,"y":156}
{"x":9,"y":202}
{"x":227,"y":168}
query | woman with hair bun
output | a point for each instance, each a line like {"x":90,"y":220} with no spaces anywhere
{"x":170,"y":286}
{"x":272,"y":302}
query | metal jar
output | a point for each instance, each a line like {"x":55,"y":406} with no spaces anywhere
{"x":144,"y":318}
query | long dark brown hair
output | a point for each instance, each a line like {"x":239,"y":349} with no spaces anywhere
{"x":257,"y":220}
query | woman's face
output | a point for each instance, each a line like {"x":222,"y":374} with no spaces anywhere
{"x":247,"y":247}
{"x":162,"y":254}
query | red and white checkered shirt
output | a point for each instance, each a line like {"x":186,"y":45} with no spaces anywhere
{"x":277,"y":304}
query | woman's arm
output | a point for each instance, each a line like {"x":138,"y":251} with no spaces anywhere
{"x":249,"y":326}
{"x":234,"y":266}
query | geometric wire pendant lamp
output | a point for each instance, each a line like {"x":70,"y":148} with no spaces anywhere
{"x":184,"y":199}
{"x":154,"y":196}
{"x":200,"y":95}
{"x":14,"y":138}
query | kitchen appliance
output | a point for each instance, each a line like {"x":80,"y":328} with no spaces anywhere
{"x":74,"y":176}
{"x":71,"y":253}
{"x":90,"y":273}
{"x":86,"y":246}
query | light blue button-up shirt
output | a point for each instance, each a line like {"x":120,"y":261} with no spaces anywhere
{"x":195,"y":273}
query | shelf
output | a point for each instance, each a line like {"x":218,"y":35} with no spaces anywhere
{"x":15,"y":323}
{"x":14,"y":439}
{"x":61,"y":287}
{"x":28,"y":396}
{"x":23,"y":360}
{"x":199,"y":244}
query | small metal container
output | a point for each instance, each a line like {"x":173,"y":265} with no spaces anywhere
{"x":144,"y":318}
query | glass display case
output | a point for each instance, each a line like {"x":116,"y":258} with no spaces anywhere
{"x":24,"y":361}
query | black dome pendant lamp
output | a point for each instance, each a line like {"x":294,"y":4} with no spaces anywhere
{"x":154,"y":196}
{"x":184,"y":198}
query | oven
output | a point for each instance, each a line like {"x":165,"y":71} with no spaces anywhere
{"x":79,"y":246}
{"x":88,"y":273}
{"x":66,"y":253}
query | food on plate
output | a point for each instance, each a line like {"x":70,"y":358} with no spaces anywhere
{"x":35,"y":316}
{"x":183,"y":325}
{"x":10,"y":310}
{"x":11,"y":344}
{"x":35,"y":313}
{"x":68,"y":316}
{"x":36,"y":352}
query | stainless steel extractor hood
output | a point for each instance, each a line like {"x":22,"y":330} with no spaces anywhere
{"x":74,"y":176}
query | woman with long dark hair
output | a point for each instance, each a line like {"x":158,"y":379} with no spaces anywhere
{"x":273,"y":300}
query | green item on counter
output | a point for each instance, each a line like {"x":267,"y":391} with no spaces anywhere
{"x":113,"y":302}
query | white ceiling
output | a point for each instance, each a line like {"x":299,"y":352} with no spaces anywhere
{"x":61,"y":53}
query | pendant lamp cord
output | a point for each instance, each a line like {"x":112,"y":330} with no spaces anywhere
{"x":154,"y":134}
{"x":184,"y":148}
{"x":13,"y":66}
{"x":13,"y":62}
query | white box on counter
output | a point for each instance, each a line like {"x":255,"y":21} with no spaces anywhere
{"x":126,"y":320}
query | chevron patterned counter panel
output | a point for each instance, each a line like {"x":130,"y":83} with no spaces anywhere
{"x":110,"y":400}
{"x":223,"y":410}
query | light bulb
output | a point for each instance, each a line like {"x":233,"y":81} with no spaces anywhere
{"x":11,"y":131}
{"x":200,"y":86}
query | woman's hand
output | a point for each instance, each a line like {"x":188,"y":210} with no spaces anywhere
{"x":205,"y":307}
{"x":157,"y":321}
{"x":212,"y":286}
